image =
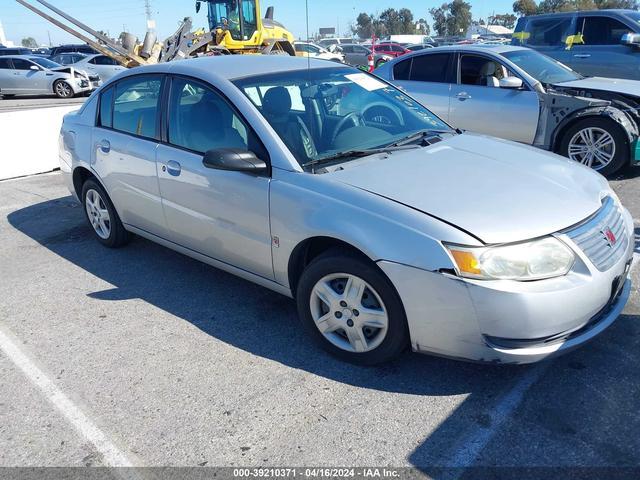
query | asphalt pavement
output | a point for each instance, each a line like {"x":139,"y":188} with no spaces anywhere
{"x":29,"y":102}
{"x":144,"y":357}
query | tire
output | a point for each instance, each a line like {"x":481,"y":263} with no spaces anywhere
{"x":109,"y":231}
{"x":62,"y":89}
{"x":385,"y":335}
{"x":577,"y":137}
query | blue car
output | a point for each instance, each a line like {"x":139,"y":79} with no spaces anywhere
{"x":601,"y":43}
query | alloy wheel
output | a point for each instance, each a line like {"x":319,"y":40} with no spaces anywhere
{"x":98,"y":214}
{"x":63,"y":89}
{"x":349,"y":312}
{"x":593,"y":147}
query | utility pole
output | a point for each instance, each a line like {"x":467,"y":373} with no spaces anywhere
{"x":49,"y":35}
{"x":151,"y":25}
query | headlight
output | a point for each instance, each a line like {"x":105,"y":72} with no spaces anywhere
{"x":535,"y":260}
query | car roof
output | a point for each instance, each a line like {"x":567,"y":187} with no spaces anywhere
{"x":24,"y":57}
{"x":478,"y":48}
{"x":232,"y":67}
{"x":585,"y":13}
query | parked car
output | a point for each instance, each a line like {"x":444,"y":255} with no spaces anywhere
{"x":15,"y":51}
{"x":101,"y":65}
{"x":387,"y":235}
{"x":307,"y":49}
{"x":34,"y":75}
{"x":414,"y":47}
{"x":392,"y":50}
{"x":42,"y":51}
{"x":359,"y":55}
{"x":604,"y":43}
{"x":329,"y":43}
{"x":519,"y":94}
{"x":73,"y":48}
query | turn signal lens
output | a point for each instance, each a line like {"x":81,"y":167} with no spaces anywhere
{"x":467,"y":262}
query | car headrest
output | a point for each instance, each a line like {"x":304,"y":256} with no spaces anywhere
{"x":488,"y":69}
{"x":277,"y":101}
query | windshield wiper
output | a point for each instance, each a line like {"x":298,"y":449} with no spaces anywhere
{"x":414,"y":137}
{"x":356,"y":154}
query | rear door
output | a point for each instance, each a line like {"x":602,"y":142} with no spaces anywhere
{"x":603,"y":54}
{"x":221,"y":214}
{"x":124,"y":145}
{"x":7,"y":79}
{"x":479,"y":105}
{"x":104,"y":67}
{"x":428,"y":78}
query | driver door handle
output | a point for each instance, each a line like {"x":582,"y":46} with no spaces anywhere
{"x":105,"y":146}
{"x":462,"y":96}
{"x":173,"y":168}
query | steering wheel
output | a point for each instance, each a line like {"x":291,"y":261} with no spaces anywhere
{"x":354,"y":117}
{"x":381,"y":115}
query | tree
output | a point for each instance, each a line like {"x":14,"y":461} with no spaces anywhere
{"x":408,"y":26}
{"x":507,"y":20}
{"x":452,"y":18}
{"x":422,"y":27}
{"x":525,"y":7}
{"x":630,"y":4}
{"x":391,"y":20}
{"x":29,"y":42}
{"x":364,"y":26}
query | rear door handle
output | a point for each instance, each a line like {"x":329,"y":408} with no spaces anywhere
{"x":105,"y":146}
{"x":462,"y":96}
{"x":582,"y":55}
{"x":173,"y":168}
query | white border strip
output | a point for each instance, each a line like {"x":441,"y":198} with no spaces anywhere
{"x":112,"y":456}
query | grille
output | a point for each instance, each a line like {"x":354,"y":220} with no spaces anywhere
{"x":591,"y":236}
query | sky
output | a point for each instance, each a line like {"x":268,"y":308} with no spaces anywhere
{"x":114,"y":16}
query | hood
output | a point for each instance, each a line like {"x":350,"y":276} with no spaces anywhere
{"x":498,"y":191}
{"x":618,"y":85}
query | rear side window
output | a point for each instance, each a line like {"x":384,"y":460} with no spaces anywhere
{"x":602,"y":30}
{"x":104,"y":60}
{"x":430,"y":68}
{"x":105,"y":116}
{"x":135,"y":107}
{"x":402,"y":70}
{"x":4,"y":64}
{"x":547,"y":32}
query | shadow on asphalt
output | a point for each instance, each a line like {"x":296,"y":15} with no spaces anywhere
{"x":583,"y":411}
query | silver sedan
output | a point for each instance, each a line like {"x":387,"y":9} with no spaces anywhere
{"x":328,"y":185}
{"x":33,"y":75}
{"x":519,"y":94}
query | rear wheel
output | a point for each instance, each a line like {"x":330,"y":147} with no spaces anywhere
{"x":598,"y":143}
{"x":351,"y":309}
{"x":102,"y":216}
{"x":62,"y":89}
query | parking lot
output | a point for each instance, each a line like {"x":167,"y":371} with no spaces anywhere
{"x":143,"y":357}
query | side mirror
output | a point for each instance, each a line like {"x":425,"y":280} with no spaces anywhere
{"x":234,"y":160}
{"x":511,"y":82}
{"x":631,"y":39}
{"x":33,"y":67}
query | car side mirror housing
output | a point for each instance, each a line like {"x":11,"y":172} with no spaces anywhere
{"x":35,"y":68}
{"x":631,"y":39}
{"x":235,"y":160}
{"x":514,"y":83}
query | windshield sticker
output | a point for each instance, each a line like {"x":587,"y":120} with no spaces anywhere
{"x":366,"y":81}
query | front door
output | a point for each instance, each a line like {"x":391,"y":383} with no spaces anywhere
{"x":478,"y":104}
{"x":221,"y":214}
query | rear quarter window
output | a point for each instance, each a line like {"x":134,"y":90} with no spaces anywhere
{"x":402,"y":70}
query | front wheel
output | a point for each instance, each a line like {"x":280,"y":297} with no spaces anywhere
{"x":351,"y":309}
{"x":598,"y":143}
{"x":62,"y":89}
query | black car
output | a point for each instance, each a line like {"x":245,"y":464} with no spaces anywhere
{"x":15,"y":51}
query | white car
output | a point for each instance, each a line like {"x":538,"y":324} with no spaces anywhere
{"x":307,"y":49}
{"x":101,"y":65}
{"x":34,"y":75}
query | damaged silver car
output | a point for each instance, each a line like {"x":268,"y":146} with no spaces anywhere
{"x":33,"y":75}
{"x":519,"y":94}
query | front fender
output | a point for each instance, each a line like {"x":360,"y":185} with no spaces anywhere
{"x":305,"y":206}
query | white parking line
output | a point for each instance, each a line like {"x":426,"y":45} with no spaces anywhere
{"x":471,"y":445}
{"x":112,"y":456}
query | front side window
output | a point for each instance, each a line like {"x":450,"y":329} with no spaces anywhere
{"x":544,"y":69}
{"x":602,"y":30}
{"x":201,"y":120}
{"x":45,"y":62}
{"x":430,"y":68}
{"x":322,"y":112}
{"x":481,"y":71}
{"x":21,"y":64}
{"x":135,"y":108}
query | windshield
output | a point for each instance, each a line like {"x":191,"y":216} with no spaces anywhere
{"x":542,"y":68}
{"x":324,"y":112}
{"x":44,"y":62}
